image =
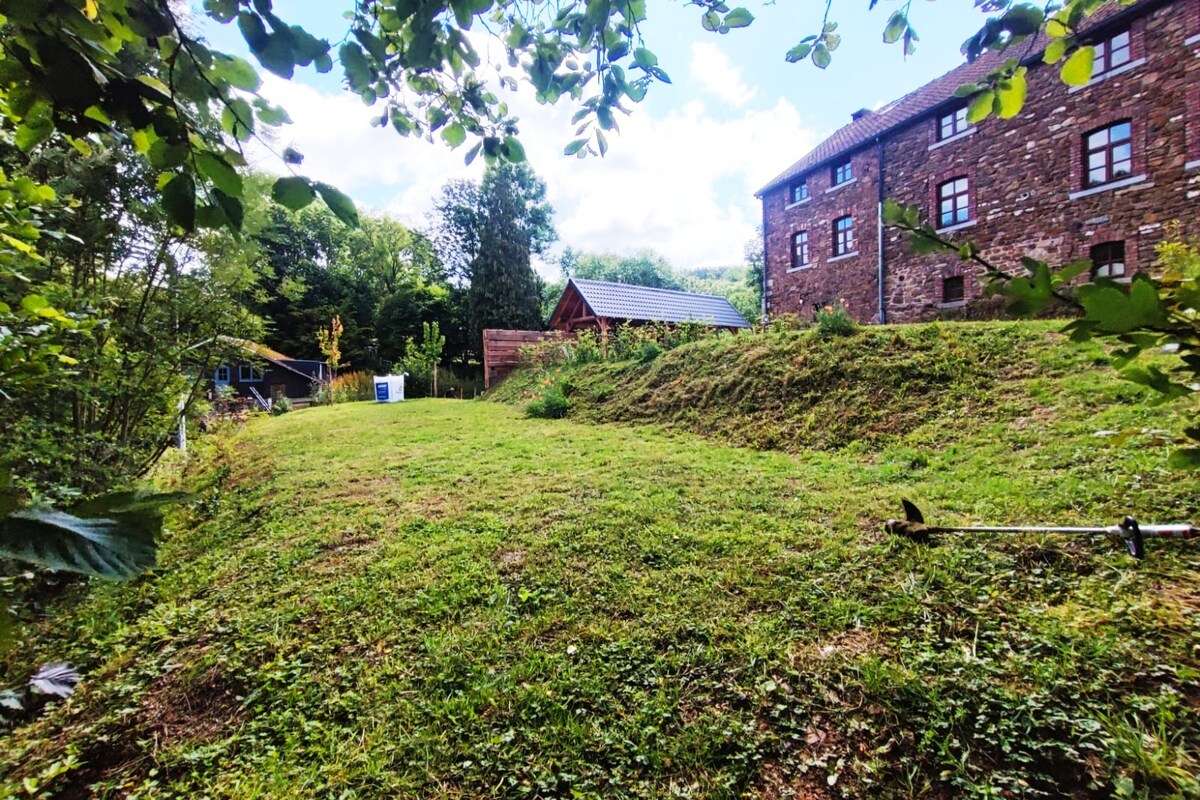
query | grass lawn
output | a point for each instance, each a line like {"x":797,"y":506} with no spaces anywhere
{"x":447,"y":599}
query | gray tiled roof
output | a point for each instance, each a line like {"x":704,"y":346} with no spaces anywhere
{"x":624,"y":301}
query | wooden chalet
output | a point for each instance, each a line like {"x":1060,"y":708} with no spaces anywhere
{"x":261,"y":373}
{"x":601,"y":305}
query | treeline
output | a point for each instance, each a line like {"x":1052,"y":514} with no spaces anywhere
{"x":113,"y":318}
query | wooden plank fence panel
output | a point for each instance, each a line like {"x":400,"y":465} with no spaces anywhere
{"x":502,"y":350}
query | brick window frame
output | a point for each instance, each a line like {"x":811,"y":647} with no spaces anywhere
{"x":939,"y":129}
{"x":844,"y":236}
{"x":1104,"y":234}
{"x":841,"y":169}
{"x":801,"y":254}
{"x":1106,"y":52}
{"x":956,"y":192}
{"x":1136,"y":114}
{"x":1106,"y":255}
{"x":1111,"y":147}
{"x":937,"y":180}
{"x":952,"y":272}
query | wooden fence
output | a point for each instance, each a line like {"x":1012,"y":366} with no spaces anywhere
{"x":502,"y":350}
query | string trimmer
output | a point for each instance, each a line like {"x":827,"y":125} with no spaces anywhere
{"x":1127,"y":530}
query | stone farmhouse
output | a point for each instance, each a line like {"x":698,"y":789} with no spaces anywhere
{"x":1099,"y":171}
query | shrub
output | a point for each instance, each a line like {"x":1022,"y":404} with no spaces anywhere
{"x":349,"y":387}
{"x":835,"y":320}
{"x":784,"y":323}
{"x":280,"y":405}
{"x":649,"y":351}
{"x":553,"y":404}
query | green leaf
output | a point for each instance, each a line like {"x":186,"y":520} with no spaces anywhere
{"x":821,"y":56}
{"x":269,"y":114}
{"x":293,"y":192}
{"x":710,"y":21}
{"x":574,"y":147}
{"x":37,"y":127}
{"x":1010,"y":98}
{"x":513,"y":149}
{"x":1055,"y":51}
{"x":1023,"y":20}
{"x":966,"y":90}
{"x":1071,"y":271}
{"x":354,"y":61}
{"x":1184,"y":458}
{"x":738,"y":18}
{"x":179,"y":201}
{"x":454,"y":135}
{"x":253,"y":30}
{"x":103,"y":548}
{"x":981,"y":106}
{"x":279,"y":56}
{"x":644,"y":58}
{"x":33,"y":303}
{"x":798,"y":53}
{"x":237,"y":72}
{"x":341,"y":205}
{"x":1077,"y":70}
{"x":895,"y":27}
{"x":237,"y":119}
{"x":223,"y":176}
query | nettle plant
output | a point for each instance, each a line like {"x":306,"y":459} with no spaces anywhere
{"x":1152,"y":314}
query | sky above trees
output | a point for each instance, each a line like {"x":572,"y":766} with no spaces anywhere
{"x":681,"y":176}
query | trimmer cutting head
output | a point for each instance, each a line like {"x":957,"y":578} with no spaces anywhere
{"x":912,"y":526}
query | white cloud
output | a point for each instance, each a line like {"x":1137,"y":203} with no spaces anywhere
{"x":716,"y":74}
{"x":680,"y":182}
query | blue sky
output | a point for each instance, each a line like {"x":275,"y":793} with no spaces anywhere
{"x":680,"y":178}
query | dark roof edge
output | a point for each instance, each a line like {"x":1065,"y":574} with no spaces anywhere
{"x":1132,"y":11}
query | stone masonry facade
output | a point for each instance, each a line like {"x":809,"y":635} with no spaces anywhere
{"x":1034,"y":184}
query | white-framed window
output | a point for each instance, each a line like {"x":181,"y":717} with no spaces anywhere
{"x":222,"y":374}
{"x":248,"y":373}
{"x":800,"y":253}
{"x":843,"y":172}
{"x":843,"y":236}
{"x":954,"y":206}
{"x":1108,"y":154}
{"x":953,"y":123}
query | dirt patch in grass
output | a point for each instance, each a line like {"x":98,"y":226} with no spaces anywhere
{"x":509,"y":561}
{"x":199,"y":710}
{"x":850,"y":644}
{"x":779,"y":782}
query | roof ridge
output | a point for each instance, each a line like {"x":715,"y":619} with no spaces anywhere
{"x":654,"y":288}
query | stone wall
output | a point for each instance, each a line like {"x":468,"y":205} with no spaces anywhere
{"x":1026,"y":184}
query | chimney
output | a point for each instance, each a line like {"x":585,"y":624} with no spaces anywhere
{"x":857,"y":115}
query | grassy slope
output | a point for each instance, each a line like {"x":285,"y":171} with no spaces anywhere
{"x":446,"y":599}
{"x":794,"y":392}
